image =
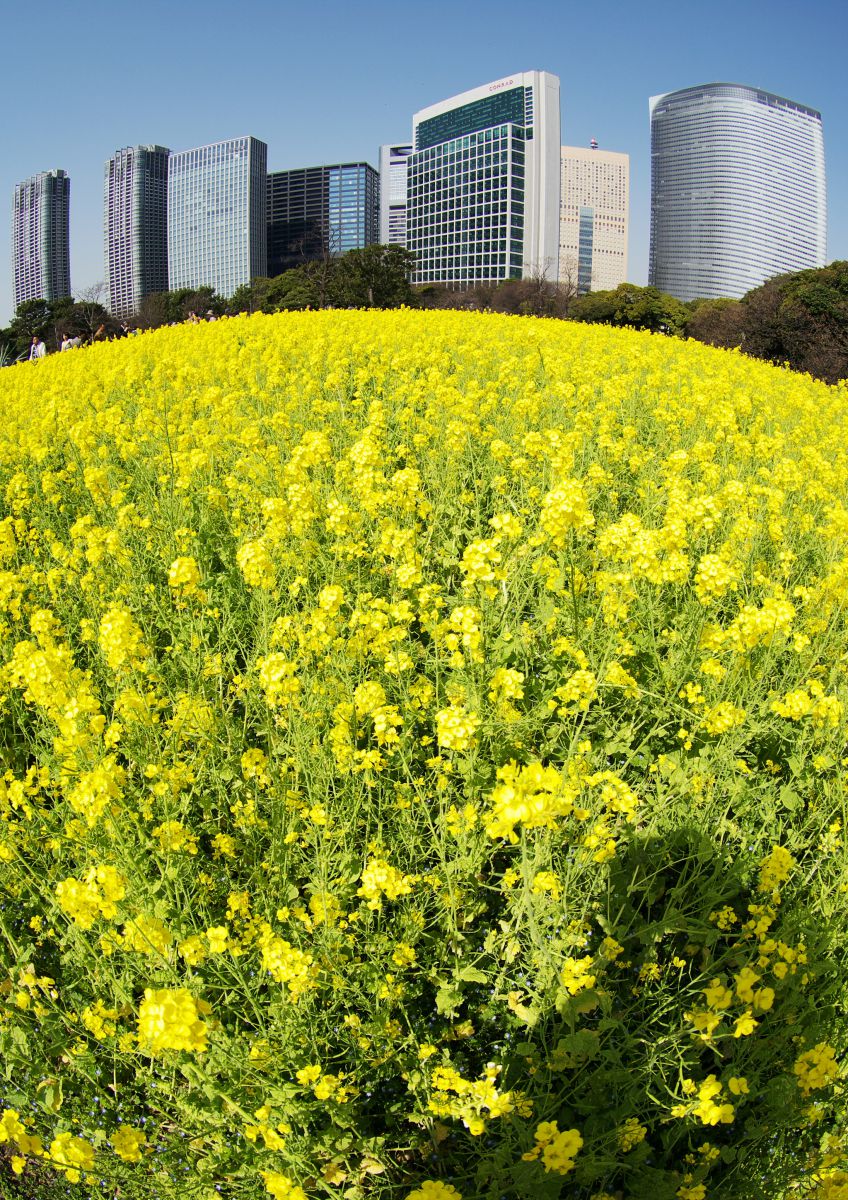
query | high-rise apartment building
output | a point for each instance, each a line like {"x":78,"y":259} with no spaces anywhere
{"x":317,"y":211}
{"x":483,"y":186}
{"x":393,"y":174}
{"x":593,"y":227}
{"x":737,"y":189}
{"x":217,"y":215}
{"x":40,"y":237}
{"x":135,"y":226}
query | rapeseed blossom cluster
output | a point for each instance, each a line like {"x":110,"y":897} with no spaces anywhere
{"x":169,"y":1019}
{"x":557,"y":1148}
{"x":423,"y":742}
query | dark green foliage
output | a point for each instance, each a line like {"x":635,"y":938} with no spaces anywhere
{"x":799,"y":319}
{"x":633,"y":307}
{"x":50,"y":319}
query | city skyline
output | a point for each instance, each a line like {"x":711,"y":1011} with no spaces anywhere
{"x":368,"y":91}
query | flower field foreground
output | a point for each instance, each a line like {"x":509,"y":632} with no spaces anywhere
{"x":423,"y":746}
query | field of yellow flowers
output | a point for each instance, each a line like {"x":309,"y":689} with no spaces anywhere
{"x":423,"y":740}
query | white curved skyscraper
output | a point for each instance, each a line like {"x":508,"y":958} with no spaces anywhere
{"x":737,"y":190}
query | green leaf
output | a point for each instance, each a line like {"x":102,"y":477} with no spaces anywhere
{"x":790,"y":798}
{"x":448,"y":1000}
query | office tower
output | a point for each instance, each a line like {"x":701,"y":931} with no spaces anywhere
{"x":40,"y":237}
{"x":217,"y":224}
{"x":737,"y":189}
{"x":483,"y":190}
{"x":135,"y":226}
{"x":593,"y":227}
{"x":393,"y":171}
{"x":318,"y":211}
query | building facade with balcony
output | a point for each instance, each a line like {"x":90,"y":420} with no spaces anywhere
{"x":135,"y":196}
{"x":41,"y":256}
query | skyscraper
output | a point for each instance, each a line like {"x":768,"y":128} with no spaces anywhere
{"x":593,"y":227}
{"x":737,"y":189}
{"x":313,"y":211}
{"x":217,"y":215}
{"x":393,"y":173}
{"x":484,"y":178}
{"x":40,"y":237}
{"x":136,"y":226}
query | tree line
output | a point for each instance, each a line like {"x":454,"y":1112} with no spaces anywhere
{"x":799,"y":319}
{"x":374,"y":277}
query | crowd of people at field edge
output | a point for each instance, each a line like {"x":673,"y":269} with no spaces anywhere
{"x":38,"y":349}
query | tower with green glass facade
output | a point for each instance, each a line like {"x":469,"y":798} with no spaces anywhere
{"x":484,"y":184}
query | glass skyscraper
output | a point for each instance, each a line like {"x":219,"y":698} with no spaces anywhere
{"x":40,"y":237}
{"x":483,"y":183}
{"x":593,"y":218}
{"x":737,"y":190}
{"x":317,"y":211}
{"x":217,"y":215}
{"x":136,"y":226}
{"x":393,"y":174}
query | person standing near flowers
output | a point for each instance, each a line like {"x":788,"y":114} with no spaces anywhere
{"x":37,"y":350}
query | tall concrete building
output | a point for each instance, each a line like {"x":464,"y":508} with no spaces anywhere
{"x":484,"y":179}
{"x":217,"y":215}
{"x":40,"y":237}
{"x":393,"y":175}
{"x":737,"y":189}
{"x":135,"y":226}
{"x":594,"y":220}
{"x":313,"y":211}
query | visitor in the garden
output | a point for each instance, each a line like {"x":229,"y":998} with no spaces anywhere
{"x":37,"y":350}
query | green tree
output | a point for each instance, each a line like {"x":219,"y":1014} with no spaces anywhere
{"x":298,"y":288}
{"x":31,"y":318}
{"x":634,"y":307}
{"x":800,"y":319}
{"x":716,"y":322}
{"x":250,"y":297}
{"x":154,"y":310}
{"x":373,"y":277}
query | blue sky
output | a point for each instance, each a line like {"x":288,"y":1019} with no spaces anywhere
{"x":327,"y":81}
